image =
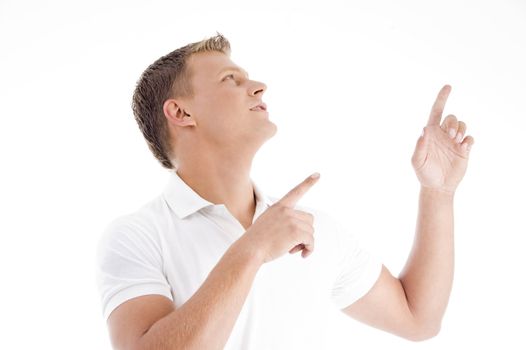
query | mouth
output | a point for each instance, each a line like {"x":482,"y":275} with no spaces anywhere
{"x":260,"y":107}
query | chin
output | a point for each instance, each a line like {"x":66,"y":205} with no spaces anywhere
{"x":265,"y":135}
{"x":273,"y":130}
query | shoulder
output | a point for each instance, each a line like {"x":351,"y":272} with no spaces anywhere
{"x":134,"y":229}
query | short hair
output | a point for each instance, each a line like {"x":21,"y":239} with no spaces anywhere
{"x":167,"y":77}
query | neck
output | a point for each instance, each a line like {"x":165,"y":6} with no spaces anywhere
{"x":222,"y":182}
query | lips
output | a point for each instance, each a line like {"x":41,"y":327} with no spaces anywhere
{"x":260,"y":107}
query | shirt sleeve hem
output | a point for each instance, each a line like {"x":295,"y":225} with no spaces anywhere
{"x":370,"y":276}
{"x":132,"y":292}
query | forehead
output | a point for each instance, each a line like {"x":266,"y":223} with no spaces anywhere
{"x":207,"y":65}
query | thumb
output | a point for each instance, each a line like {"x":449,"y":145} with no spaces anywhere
{"x":420,"y":153}
{"x":294,"y":195}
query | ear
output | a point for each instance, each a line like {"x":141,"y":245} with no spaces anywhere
{"x":176,"y":114}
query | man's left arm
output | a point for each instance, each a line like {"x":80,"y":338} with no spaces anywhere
{"x":412,"y":306}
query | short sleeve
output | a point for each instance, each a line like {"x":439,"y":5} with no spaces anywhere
{"x":358,"y":269}
{"x":129,"y":264}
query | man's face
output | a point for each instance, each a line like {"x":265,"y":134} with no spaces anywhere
{"x":222,"y":102}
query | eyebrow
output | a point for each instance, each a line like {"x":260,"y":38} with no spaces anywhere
{"x":236,"y":69}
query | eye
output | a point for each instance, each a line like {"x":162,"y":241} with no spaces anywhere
{"x":230,"y":75}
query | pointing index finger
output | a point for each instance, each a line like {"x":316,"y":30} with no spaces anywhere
{"x":438,"y":107}
{"x":294,"y":195}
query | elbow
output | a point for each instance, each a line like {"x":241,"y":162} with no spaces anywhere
{"x":424,"y":332}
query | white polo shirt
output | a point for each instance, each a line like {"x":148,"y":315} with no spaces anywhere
{"x":170,"y":245}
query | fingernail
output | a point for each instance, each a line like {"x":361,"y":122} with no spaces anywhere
{"x":452,"y":133}
{"x":315,"y":175}
{"x":459,"y":137}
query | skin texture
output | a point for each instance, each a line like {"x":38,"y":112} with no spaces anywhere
{"x":216,"y":144}
{"x":216,"y":136}
{"x":413,"y":305}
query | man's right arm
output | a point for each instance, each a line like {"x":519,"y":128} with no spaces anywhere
{"x":204,"y":321}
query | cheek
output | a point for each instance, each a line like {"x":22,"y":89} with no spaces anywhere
{"x":222,"y":113}
{"x":218,"y":102}
{"x":217,"y":117}
{"x":226,"y":106}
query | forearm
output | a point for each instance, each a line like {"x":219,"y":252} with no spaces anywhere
{"x":206,"y":320}
{"x":428,"y":274}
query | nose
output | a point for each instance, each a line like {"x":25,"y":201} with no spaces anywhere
{"x":257,"y":88}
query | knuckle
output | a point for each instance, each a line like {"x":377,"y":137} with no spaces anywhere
{"x":450,"y":120}
{"x":288,"y":211}
{"x":281,"y":208}
{"x":296,"y":191}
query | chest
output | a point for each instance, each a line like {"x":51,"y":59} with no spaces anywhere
{"x":192,"y":251}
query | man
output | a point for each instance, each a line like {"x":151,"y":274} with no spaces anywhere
{"x":203,"y":266}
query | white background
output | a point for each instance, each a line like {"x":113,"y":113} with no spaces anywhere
{"x":350,"y":86}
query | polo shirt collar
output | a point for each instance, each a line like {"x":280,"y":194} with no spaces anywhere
{"x":183,"y":200}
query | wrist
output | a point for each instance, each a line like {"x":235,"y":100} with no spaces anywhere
{"x":252,"y":253}
{"x":440,"y":192}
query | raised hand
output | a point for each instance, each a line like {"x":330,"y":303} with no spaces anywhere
{"x":441,"y":155}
